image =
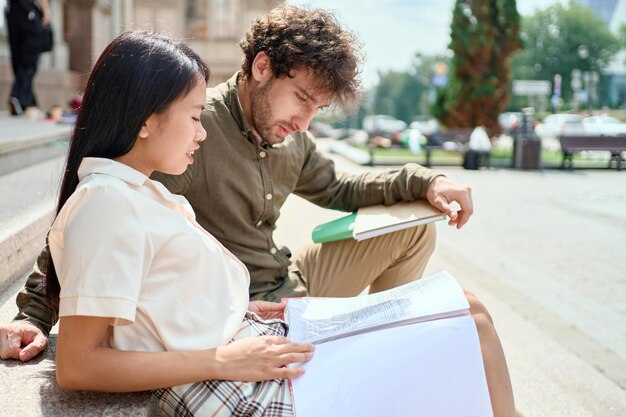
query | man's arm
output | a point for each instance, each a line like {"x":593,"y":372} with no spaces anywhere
{"x":26,"y":336}
{"x":34,"y":306}
{"x":322,"y":185}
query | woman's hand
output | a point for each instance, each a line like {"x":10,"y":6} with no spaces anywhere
{"x":46,"y":15}
{"x":261,"y":358}
{"x":266,"y":309}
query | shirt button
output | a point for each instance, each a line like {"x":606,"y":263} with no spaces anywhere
{"x":273,"y":251}
{"x":269,"y":196}
{"x":259,"y":223}
{"x":262,"y":154}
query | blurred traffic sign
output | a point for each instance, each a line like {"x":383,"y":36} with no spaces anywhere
{"x":531,"y":87}
{"x":440,"y":76}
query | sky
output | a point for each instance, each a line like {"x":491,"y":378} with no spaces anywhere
{"x":393,"y":31}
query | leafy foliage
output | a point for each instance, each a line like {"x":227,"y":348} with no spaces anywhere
{"x":398,"y":94}
{"x":552,"y":38}
{"x":485,"y":34}
{"x":404,"y":94}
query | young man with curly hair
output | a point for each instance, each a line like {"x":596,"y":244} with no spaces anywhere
{"x":258,"y":151}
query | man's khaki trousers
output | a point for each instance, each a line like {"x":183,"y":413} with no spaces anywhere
{"x":345,"y":268}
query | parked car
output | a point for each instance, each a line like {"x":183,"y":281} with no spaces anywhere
{"x":559,"y":123}
{"x":427,"y":125}
{"x":603,"y":125}
{"x":382,"y":124}
{"x":321,"y":130}
{"x":509,"y":121}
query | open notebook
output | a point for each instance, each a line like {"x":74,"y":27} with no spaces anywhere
{"x":408,"y":351}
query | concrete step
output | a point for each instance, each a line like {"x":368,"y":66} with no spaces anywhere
{"x":27,"y":156}
{"x":26,"y":207}
{"x":25,"y":142}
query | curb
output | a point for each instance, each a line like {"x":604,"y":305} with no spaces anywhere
{"x":27,"y":142}
{"x":26,"y":213}
{"x":18,"y":153}
{"x":21,"y":242}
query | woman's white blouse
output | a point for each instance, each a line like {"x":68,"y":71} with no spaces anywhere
{"x":124,"y":247}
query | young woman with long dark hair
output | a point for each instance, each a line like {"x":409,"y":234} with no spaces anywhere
{"x":147,"y":298}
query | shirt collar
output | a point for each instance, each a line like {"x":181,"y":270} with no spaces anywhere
{"x":234,"y":104}
{"x":231,"y":98}
{"x":110,"y":167}
{"x":133,"y":177}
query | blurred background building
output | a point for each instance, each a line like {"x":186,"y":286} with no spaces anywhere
{"x":82,"y":29}
{"x":604,"y":8}
{"x":613,"y":12}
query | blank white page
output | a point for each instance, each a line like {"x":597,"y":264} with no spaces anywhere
{"x":428,"y":369}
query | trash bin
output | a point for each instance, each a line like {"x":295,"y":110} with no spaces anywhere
{"x":527,"y":152}
{"x":526,"y":143}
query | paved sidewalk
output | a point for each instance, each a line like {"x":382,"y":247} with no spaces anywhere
{"x":544,"y":251}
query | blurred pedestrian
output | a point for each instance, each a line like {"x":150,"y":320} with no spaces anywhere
{"x":25,"y":21}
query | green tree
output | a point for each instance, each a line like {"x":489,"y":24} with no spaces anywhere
{"x":404,"y":94}
{"x":485,"y":34}
{"x":553,"y":38}
{"x":398,"y":94}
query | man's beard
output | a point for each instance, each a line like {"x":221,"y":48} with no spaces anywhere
{"x":262,"y":115}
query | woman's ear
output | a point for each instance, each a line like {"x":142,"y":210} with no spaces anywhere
{"x":262,"y":67}
{"x":143,"y":132}
{"x":147,"y":126}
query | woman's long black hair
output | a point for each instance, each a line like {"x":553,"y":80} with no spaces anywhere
{"x":139,"y":73}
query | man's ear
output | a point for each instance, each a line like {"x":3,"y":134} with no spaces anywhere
{"x":262,"y":67}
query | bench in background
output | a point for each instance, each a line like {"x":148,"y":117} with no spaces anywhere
{"x":571,"y":144}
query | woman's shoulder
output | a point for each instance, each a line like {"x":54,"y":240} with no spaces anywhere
{"x":101,"y":209}
{"x":99,"y":196}
{"x":104,"y":188}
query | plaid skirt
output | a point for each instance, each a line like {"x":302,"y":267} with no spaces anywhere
{"x":232,"y":398}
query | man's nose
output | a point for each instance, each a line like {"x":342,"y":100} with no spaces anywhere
{"x":303,"y":121}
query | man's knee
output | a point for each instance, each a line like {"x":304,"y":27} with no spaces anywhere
{"x":430,"y":234}
{"x":423,"y":238}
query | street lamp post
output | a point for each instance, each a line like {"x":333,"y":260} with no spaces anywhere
{"x":590,"y":77}
{"x":576,"y":84}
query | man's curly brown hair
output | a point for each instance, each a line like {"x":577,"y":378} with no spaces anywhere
{"x":299,"y":37}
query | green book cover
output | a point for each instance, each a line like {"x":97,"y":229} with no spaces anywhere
{"x":338,"y":229}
